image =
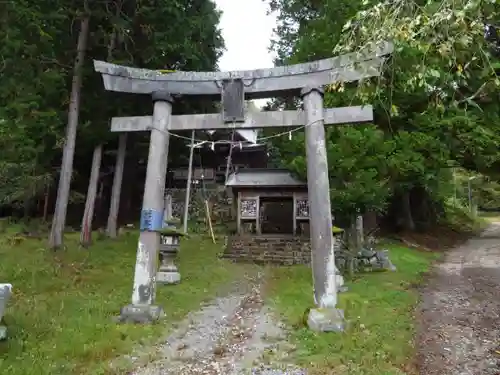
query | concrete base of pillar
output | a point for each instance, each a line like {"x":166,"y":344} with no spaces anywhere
{"x":142,"y":314}
{"x":168,"y":277}
{"x":326,"y":320}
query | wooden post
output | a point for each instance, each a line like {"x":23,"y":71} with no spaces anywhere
{"x":238,"y":212}
{"x":228,"y":164}
{"x":322,"y":240}
{"x":112,"y":227}
{"x":142,"y":308}
{"x":209,"y":220}
{"x":188,"y":184}
{"x":88,"y":214}
{"x":294,"y":197}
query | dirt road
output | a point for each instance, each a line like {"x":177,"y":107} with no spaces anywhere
{"x":234,"y":335}
{"x":459,"y":331}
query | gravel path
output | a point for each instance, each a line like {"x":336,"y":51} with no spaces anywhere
{"x":234,"y":335}
{"x":460,"y":311}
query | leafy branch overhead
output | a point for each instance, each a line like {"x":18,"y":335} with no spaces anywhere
{"x":436,"y":103}
{"x":443,"y":49}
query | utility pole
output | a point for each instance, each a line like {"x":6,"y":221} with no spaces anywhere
{"x":188,"y":184}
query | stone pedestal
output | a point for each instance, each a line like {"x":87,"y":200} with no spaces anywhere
{"x":168,"y":272}
{"x":168,"y":277}
{"x":142,"y":314}
{"x":169,"y":247}
{"x":326,"y":319}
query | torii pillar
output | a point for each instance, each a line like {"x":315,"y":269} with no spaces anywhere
{"x":326,"y":317}
{"x":143,"y":308}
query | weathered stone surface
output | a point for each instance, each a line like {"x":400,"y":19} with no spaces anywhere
{"x":252,"y":120}
{"x":168,"y":277}
{"x":273,"y":249}
{"x":5,"y":293}
{"x":383,"y":261}
{"x":277,"y":249}
{"x":326,"y":320}
{"x":259,"y":83}
{"x":142,"y":314}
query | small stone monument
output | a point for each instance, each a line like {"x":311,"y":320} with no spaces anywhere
{"x":337,"y":246}
{"x":170,"y":238}
{"x":383,"y":262}
{"x":5,"y":293}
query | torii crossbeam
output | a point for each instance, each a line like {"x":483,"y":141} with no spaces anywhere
{"x":259,"y":83}
{"x":254,"y":120}
{"x":233,"y":88}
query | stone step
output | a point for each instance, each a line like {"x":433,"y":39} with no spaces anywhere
{"x":272,"y":249}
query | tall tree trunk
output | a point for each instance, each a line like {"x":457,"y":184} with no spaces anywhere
{"x":88,"y":215}
{"x":100,"y":195}
{"x":409,"y":223}
{"x":112,"y":227}
{"x":46,"y":203}
{"x":28,"y":202}
{"x":59,"y":220}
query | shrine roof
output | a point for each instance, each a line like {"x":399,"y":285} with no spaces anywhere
{"x":245,"y":135}
{"x":264,"y":178}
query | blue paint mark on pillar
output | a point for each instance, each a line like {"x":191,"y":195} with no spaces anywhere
{"x":151,"y":220}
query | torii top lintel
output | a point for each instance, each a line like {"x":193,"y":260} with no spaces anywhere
{"x":260,"y":83}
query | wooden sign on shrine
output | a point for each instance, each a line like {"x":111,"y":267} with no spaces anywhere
{"x":233,"y":88}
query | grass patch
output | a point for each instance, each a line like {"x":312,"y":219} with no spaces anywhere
{"x":378,"y":306}
{"x":60,"y":315}
{"x":490,"y":217}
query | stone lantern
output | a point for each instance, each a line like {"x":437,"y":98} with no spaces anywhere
{"x":5,"y":292}
{"x":337,"y":235}
{"x":170,"y":238}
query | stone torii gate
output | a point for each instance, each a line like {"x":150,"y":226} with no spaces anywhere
{"x":234,"y":88}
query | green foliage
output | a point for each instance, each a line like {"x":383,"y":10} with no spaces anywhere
{"x":356,"y":159}
{"x":488,"y":196}
{"x":460,"y":217}
{"x":37,"y":52}
{"x":436,"y":102}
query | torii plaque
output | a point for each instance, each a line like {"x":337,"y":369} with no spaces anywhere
{"x":304,"y":79}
